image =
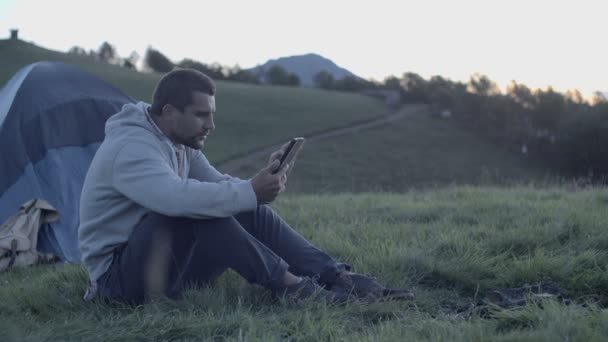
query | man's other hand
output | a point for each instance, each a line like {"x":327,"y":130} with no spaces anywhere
{"x":268,"y":186}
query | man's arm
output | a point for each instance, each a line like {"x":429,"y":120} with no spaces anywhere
{"x":266,"y":185}
{"x":141,"y":174}
{"x":202,"y":170}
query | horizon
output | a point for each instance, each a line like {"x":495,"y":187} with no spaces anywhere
{"x":547,"y":43}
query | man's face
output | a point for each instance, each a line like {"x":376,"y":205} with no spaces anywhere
{"x":192,"y":126}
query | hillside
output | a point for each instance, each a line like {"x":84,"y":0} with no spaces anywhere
{"x":452,"y":247}
{"x":418,"y":151}
{"x":305,"y":67}
{"x":248,"y":116}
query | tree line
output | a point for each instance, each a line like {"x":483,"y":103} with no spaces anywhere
{"x":154,"y":60}
{"x":564,"y":130}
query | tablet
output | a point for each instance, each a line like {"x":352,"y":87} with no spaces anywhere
{"x":290,"y":152}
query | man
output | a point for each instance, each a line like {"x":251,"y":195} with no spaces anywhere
{"x":155,"y":215}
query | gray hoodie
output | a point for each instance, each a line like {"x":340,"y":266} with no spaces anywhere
{"x":134,"y":172}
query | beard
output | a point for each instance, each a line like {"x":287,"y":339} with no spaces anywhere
{"x":195,"y":142}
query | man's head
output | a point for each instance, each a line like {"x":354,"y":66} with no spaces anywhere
{"x":183,"y":105}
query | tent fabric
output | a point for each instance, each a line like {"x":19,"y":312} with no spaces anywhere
{"x":52,"y":118}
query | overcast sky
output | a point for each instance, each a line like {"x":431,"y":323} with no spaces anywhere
{"x":536,"y":42}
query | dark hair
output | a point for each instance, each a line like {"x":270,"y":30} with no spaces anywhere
{"x":177,"y":87}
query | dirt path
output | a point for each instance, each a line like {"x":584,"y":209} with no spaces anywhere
{"x":232,"y":165}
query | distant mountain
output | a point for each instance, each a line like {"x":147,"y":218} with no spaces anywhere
{"x":305,"y":67}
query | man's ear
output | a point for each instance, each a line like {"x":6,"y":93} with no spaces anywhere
{"x":168,"y":110}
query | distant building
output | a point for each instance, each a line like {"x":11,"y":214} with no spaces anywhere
{"x":14,"y":34}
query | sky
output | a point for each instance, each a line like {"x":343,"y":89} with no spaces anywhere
{"x":539,"y":43}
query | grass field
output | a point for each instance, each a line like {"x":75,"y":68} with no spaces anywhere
{"x":451,"y":246}
{"x":418,"y":151}
{"x":248,"y":116}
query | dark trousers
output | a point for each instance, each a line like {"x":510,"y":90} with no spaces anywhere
{"x":163,"y":254}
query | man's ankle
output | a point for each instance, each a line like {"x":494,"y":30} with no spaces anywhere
{"x":289,"y":279}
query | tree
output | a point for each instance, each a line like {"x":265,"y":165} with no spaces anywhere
{"x":156,"y":61}
{"x":598,"y":98}
{"x":293,"y":80}
{"x":352,"y":83}
{"x":392,"y":83}
{"x":582,"y":147}
{"x":131,"y":61}
{"x":575,"y":96}
{"x":107,"y":53}
{"x":77,"y":50}
{"x":277,"y":75}
{"x":414,"y":87}
{"x":549,"y":110}
{"x":219,"y":72}
{"x":214,"y":71}
{"x":482,"y":85}
{"x":324,"y":80}
{"x":521,"y":94}
{"x":239,"y":75}
{"x":439,"y":91}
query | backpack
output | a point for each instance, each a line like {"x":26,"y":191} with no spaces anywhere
{"x":19,"y":234}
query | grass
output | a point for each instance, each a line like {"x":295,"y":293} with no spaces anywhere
{"x":253,"y":116}
{"x":451,"y":246}
{"x":248,"y":117}
{"x":418,"y":151}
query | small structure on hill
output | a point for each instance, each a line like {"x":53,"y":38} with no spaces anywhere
{"x":14,"y":34}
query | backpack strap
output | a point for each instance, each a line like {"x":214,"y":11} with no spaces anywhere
{"x":12,"y":253}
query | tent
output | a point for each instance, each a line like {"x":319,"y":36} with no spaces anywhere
{"x":52,"y":118}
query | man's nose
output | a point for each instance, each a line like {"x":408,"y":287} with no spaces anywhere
{"x":210,"y":125}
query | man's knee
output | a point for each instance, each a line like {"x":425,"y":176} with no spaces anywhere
{"x":216,"y":227}
{"x":166,"y":228}
{"x":265,"y":209}
{"x":161,"y":221}
{"x":160,"y":231}
{"x":218,"y":222}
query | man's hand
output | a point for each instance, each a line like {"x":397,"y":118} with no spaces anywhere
{"x":276,"y":155}
{"x":268,"y":186}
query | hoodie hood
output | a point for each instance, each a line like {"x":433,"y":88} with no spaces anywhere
{"x":131,"y":116}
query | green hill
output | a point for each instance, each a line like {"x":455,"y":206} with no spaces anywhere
{"x":418,"y":151}
{"x":450,"y":246}
{"x":248,"y":116}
